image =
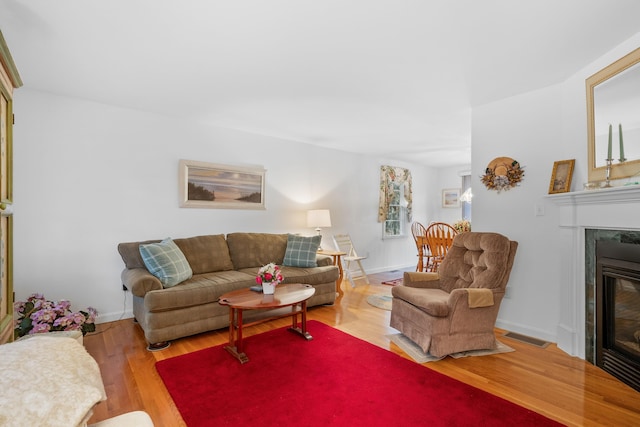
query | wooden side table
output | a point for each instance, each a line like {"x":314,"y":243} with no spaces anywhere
{"x":337,"y":255}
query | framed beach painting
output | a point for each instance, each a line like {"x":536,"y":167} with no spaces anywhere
{"x":210,"y":185}
{"x":451,"y":198}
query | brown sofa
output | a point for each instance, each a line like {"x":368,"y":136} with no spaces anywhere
{"x":219,"y":265}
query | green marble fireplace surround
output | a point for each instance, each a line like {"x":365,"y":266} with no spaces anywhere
{"x":590,"y":239}
{"x":584,"y":217}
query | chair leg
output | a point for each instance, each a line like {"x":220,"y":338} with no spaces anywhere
{"x":350,"y":278}
{"x":350,"y":274}
{"x":364,"y":274}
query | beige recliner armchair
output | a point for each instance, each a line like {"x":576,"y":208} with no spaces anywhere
{"x":456,"y":308}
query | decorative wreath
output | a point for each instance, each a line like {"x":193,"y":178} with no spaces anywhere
{"x":502,"y":173}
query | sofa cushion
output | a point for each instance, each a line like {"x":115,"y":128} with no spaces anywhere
{"x":166,"y":261}
{"x":256,"y":249}
{"x":206,"y":254}
{"x":200,"y":289}
{"x":301,"y":251}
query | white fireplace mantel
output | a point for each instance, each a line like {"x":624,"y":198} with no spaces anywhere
{"x":606,"y":208}
{"x":624,"y":194}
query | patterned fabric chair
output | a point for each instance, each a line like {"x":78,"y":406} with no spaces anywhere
{"x":456,"y":308}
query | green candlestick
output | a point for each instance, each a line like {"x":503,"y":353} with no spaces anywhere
{"x":609,"y":147}
{"x":622,"y":159}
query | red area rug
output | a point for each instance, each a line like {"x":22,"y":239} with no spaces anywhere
{"x":334,"y":379}
{"x":394,"y":282}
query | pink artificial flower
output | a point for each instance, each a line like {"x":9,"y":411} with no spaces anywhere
{"x":44,"y":315}
{"x":62,"y":321}
{"x":19,"y":306}
{"x":34,"y":297}
{"x":93,"y":313}
{"x":62,"y":306}
{"x":77,"y":318}
{"x":40,"y":327}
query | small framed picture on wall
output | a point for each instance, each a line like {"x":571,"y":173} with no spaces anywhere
{"x":451,"y":198}
{"x":561,"y":176}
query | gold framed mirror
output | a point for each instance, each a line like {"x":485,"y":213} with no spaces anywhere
{"x":613,"y":98}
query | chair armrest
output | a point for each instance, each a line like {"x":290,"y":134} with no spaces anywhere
{"x":477,"y":297}
{"x":474,"y":298}
{"x":139,"y":281}
{"x":421,"y":280}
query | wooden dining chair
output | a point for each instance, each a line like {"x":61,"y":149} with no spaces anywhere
{"x":419,"y":233}
{"x":439,"y":239}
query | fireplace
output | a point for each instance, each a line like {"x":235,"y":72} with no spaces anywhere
{"x":585,"y":217}
{"x":617,"y":310}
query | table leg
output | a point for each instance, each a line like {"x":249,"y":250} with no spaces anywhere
{"x":235,"y":346}
{"x":232,"y":332}
{"x":304,"y":320}
{"x":302,"y":329}
{"x":239,"y":342}
{"x":294,"y":316}
{"x":336,"y":261}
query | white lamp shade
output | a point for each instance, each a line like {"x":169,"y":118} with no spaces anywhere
{"x":318,"y":218}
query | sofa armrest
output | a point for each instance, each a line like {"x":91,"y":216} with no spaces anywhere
{"x":421,"y":280}
{"x":324,"y":260}
{"x":139,"y":281}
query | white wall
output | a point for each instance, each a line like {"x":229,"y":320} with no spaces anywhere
{"x":88,"y":176}
{"x":527,"y":128}
{"x":535,"y":129}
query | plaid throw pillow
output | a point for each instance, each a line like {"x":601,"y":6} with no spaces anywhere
{"x":301,"y":251}
{"x":166,"y":261}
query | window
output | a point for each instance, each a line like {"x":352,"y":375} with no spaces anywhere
{"x":394,"y":210}
{"x":466,"y":201}
{"x":395,"y":224}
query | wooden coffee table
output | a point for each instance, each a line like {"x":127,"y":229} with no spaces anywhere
{"x":294,"y":295}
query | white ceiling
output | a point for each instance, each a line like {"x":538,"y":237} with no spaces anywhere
{"x":395,"y":78}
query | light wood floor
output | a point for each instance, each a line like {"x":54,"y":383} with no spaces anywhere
{"x":547,"y":381}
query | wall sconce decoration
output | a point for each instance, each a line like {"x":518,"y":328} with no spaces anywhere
{"x":502,"y":173}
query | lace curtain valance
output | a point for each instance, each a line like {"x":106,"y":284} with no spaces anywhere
{"x":389,"y":176}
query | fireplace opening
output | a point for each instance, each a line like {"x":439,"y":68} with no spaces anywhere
{"x":618,"y":310}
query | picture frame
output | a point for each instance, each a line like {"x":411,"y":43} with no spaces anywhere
{"x":561,"y":176}
{"x":217,"y":186}
{"x":451,"y":198}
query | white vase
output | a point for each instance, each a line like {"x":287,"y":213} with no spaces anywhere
{"x":268,"y":288}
